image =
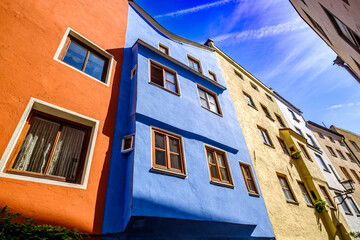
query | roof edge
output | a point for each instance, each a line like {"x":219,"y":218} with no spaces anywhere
{"x":297,"y":109}
{"x":324,"y":128}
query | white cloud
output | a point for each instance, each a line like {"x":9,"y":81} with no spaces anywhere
{"x":195,"y":9}
{"x":351,"y":104}
{"x":336,"y":106}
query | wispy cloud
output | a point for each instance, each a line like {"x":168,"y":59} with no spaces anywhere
{"x":195,"y":9}
{"x":351,"y":104}
{"x":262,"y":32}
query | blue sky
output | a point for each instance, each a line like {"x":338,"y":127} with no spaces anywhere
{"x":270,"y":40}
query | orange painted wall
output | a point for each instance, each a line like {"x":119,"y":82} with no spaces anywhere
{"x":31,"y":32}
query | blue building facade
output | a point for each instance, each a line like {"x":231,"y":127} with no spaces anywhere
{"x":175,"y":170}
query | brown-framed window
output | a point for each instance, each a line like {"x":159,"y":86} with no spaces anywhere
{"x":355,"y":175}
{"x":268,"y":97}
{"x":302,"y":147}
{"x":164,"y":77}
{"x":280,"y":120}
{"x":283,"y":146}
{"x":344,"y":205}
{"x":248,"y":178}
{"x":326,"y":196}
{"x":218,"y":165}
{"x":305,"y":194}
{"x":331,"y":139}
{"x":350,"y":157}
{"x":209,"y":100}
{"x":346,"y":173}
{"x":266,"y":111}
{"x":265,"y":136}
{"x":289,"y":196}
{"x":249,"y":100}
{"x":194,"y":64}
{"x":320,"y":135}
{"x":164,"y":49}
{"x":212,"y":76}
{"x":254,"y":86}
{"x":167,"y":152}
{"x":341,"y":142}
{"x":331,"y":151}
{"x":50,"y":147}
{"x":340,"y":154}
{"x":239,"y":74}
{"x":317,"y":26}
{"x":84,"y":58}
{"x":355,"y":146}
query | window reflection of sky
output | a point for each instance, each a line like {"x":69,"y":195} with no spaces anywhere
{"x":95,"y":66}
{"x":75,"y":55}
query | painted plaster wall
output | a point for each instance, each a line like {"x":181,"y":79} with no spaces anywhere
{"x":31,"y":33}
{"x":301,"y":220}
{"x":147,"y":193}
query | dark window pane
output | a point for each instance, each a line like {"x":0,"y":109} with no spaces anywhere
{"x":75,"y":55}
{"x":127,"y":143}
{"x":220,"y":160}
{"x":159,"y":141}
{"x":213,"y":172}
{"x":157,"y":75}
{"x":175,"y":161}
{"x":95,"y":66}
{"x":160,"y":158}
{"x":211,"y":157}
{"x":251,"y":185}
{"x":224,"y":175}
{"x":174,"y":145}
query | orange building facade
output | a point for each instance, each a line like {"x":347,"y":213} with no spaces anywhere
{"x":60,"y":75}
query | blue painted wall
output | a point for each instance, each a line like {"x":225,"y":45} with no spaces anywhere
{"x":134,"y":191}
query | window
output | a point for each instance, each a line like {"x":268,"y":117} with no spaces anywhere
{"x":280,"y":120}
{"x":268,"y":97}
{"x":305,"y":194}
{"x":304,"y":151}
{"x":127,"y":143}
{"x":254,"y":86}
{"x":357,"y":64}
{"x":355,"y":175}
{"x":317,"y":27}
{"x":344,"y":31}
{"x":326,"y":196}
{"x":320,"y":135}
{"x":164,"y":49}
{"x":167,"y":152}
{"x":212,"y":76}
{"x":344,"y":205}
{"x":322,"y":163}
{"x":331,"y":151}
{"x":340,"y":154}
{"x":346,"y":173}
{"x":355,"y":146}
{"x":331,"y":139}
{"x":350,"y":157}
{"x":311,"y":140}
{"x":164,"y":77}
{"x":85,"y":56}
{"x":336,"y":175}
{"x":209,"y":100}
{"x":266,"y":111}
{"x":50,"y":147}
{"x":283,"y":146}
{"x":293,"y":115}
{"x":304,"y":2}
{"x":346,"y":1}
{"x":249,"y":101}
{"x":194,"y":64}
{"x":341,"y":142}
{"x":289,"y":196}
{"x":265,"y":136}
{"x":248,"y":178}
{"x":133,"y":72}
{"x":239,"y":74}
{"x":219,"y":170}
{"x":354,"y":206}
{"x":299,"y":131}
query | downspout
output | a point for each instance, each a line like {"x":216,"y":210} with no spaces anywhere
{"x":338,"y":61}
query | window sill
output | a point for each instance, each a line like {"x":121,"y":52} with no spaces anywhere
{"x":169,"y":172}
{"x":296,"y":119}
{"x":350,"y":214}
{"x":253,"y":107}
{"x":269,"y":145}
{"x":40,"y":176}
{"x":254,"y":194}
{"x":212,"y":111}
{"x":177,"y":94}
{"x":224,"y":184}
{"x":271,"y":118}
{"x":292,"y":202}
{"x":326,"y":170}
{"x":311,"y":206}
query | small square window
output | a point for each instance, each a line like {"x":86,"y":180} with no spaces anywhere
{"x":194,"y":64}
{"x":283,"y":146}
{"x":167,"y":153}
{"x":331,"y":151}
{"x":164,"y":49}
{"x":212,"y":76}
{"x":341,"y":142}
{"x":289,"y":196}
{"x":239,"y":74}
{"x":268,"y":97}
{"x":248,"y":178}
{"x":209,"y":100}
{"x":355,"y":146}
{"x":346,"y":173}
{"x":317,"y":27}
{"x":355,"y":175}
{"x":305,"y":194}
{"x":326,"y":196}
{"x":321,"y":135}
{"x":322,"y":163}
{"x":265,"y":136}
{"x":280,"y":120}
{"x":218,"y":166}
{"x":254,"y":86}
{"x":164,"y":77}
{"x":249,"y":100}
{"x":340,"y":154}
{"x":127,"y":143}
{"x":266,"y":111}
{"x":331,"y":139}
{"x":133,"y":72}
{"x":350,"y":157}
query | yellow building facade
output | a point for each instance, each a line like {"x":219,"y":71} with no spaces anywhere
{"x":289,"y":187}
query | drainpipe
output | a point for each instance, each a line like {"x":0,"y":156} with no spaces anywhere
{"x":338,"y":61}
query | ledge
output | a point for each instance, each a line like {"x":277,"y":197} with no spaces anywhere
{"x":169,"y":172}
{"x":292,"y":202}
{"x":223,"y":184}
{"x":177,"y":94}
{"x":254,"y":194}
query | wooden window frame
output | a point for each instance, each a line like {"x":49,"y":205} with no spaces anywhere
{"x":279,"y":119}
{"x":62,"y":122}
{"x":305,"y":193}
{"x":164,"y":69}
{"x":131,"y":137}
{"x":167,"y":50}
{"x":351,"y":157}
{"x":252,"y":178}
{"x":167,"y":169}
{"x":219,"y":181}
{"x":208,"y":92}
{"x":346,"y":173}
{"x":191,"y":58}
{"x":327,"y":197}
{"x":331,"y":139}
{"x":254,"y":86}
{"x":283,"y":146}
{"x":355,"y":145}
{"x":266,"y":111}
{"x":89,"y":50}
{"x":213,"y":75}
{"x":331,"y":151}
{"x":237,"y":73}
{"x":289,"y":188}
{"x":263,"y":130}
{"x":355,"y":175}
{"x":305,"y":152}
{"x":269,"y":97}
{"x":340,"y":154}
{"x":251,"y":100}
